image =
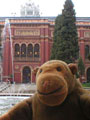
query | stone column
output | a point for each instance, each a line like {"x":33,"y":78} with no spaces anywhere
{"x":42,"y":50}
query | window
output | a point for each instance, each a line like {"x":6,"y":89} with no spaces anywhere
{"x":86,"y":51}
{"x":17,"y":50}
{"x":30,"y":50}
{"x":23,"y":50}
{"x":36,"y":50}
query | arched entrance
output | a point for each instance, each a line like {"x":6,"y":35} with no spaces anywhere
{"x":26,"y":74}
{"x":88,"y":75}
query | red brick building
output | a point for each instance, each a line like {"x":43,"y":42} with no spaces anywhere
{"x":28,"y":45}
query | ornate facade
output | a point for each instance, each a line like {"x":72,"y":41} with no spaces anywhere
{"x":32,"y":39}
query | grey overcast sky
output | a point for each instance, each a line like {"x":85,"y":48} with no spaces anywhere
{"x":47,"y":7}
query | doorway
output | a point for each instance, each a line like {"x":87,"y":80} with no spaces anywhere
{"x":88,"y":75}
{"x":26,"y":75}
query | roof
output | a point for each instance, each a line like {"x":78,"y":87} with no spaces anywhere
{"x":29,"y":18}
{"x":83,"y":19}
{"x":51,"y":18}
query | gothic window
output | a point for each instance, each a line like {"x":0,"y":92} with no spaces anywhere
{"x":23,"y":50}
{"x":86,"y":51}
{"x":30,"y":50}
{"x":17,"y":50}
{"x":36,"y":50}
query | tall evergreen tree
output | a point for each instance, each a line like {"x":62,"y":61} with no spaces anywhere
{"x":65,"y":46}
{"x":81,"y":67}
{"x":55,"y":40}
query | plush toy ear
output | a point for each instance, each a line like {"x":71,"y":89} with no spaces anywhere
{"x":35,"y":70}
{"x":73,"y":68}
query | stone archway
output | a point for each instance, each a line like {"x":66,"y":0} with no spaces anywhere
{"x":26,"y":75}
{"x":88,"y":75}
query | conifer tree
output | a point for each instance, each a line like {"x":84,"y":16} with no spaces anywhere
{"x":65,"y":45}
{"x":55,"y":42}
{"x":81,"y":67}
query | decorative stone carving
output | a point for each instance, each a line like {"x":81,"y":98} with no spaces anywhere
{"x":27,"y":32}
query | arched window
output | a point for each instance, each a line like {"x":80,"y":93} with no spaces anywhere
{"x":17,"y":50}
{"x":23,"y":50}
{"x":30,"y":50}
{"x":86,"y":51}
{"x":36,"y":50}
